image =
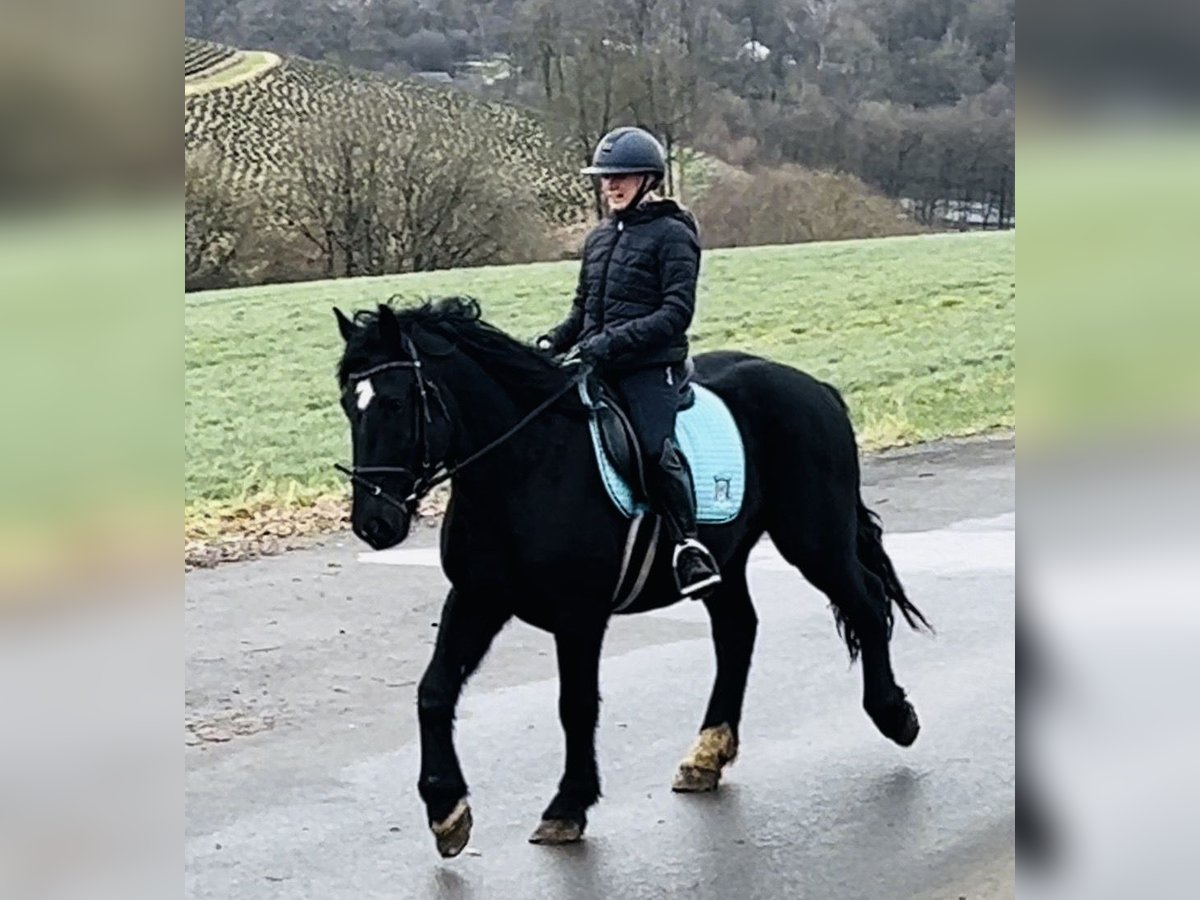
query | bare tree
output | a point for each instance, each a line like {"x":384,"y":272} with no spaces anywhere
{"x":371,"y":203}
{"x":336,"y":204}
{"x":591,"y":102}
{"x":217,"y":224}
{"x":538,"y":43}
{"x":790,"y":204}
{"x":663,"y":95}
{"x":446,"y":207}
{"x":817,"y":20}
{"x":580,"y":54}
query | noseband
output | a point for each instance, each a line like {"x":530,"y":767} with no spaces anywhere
{"x":431,"y":473}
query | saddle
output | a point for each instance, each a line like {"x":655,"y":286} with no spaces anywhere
{"x":708,"y":437}
{"x":616,"y":435}
{"x":705,"y":433}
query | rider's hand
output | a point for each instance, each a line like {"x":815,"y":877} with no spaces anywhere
{"x":593,"y":350}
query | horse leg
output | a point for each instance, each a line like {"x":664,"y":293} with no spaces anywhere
{"x":861,"y":608}
{"x":861,"y":603}
{"x":734,"y":625}
{"x":464,"y":635}
{"x":821,"y":527}
{"x":565,"y":818}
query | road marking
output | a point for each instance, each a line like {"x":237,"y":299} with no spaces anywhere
{"x":966,"y":546}
{"x":403,"y":556}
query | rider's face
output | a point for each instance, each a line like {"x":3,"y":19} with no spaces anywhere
{"x":619,"y":190}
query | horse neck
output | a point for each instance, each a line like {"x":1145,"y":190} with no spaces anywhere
{"x":484,"y":410}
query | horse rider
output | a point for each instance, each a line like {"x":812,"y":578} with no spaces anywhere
{"x":629,"y":320}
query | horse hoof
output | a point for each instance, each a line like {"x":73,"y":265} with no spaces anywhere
{"x":899,"y":723}
{"x":910,"y":729}
{"x":557,"y":831}
{"x":454,"y":831}
{"x":694,"y":780}
{"x":700,"y":771}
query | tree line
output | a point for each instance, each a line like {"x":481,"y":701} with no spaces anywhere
{"x":915,"y":97}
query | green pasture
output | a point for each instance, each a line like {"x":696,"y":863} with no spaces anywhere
{"x":917,"y":332}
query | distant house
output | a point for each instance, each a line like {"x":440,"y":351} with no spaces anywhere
{"x":484,"y":72}
{"x":754,"y":51}
{"x":435,"y":77}
{"x":961,"y":214}
{"x":623,"y":46}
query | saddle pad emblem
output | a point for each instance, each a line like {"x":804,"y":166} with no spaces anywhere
{"x":721,"y":490}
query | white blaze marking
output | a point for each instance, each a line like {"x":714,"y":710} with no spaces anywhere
{"x":365,"y":391}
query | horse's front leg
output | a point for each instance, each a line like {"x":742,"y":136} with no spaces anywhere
{"x":578,"y":650}
{"x":464,"y":635}
{"x":734,"y":626}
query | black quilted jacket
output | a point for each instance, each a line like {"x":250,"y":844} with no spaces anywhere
{"x":637,"y":287}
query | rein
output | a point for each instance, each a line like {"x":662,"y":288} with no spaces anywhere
{"x":431,"y":474}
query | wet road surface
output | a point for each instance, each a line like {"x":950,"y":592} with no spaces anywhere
{"x":302,"y":758}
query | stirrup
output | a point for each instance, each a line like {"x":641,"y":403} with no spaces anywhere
{"x":704,"y":584}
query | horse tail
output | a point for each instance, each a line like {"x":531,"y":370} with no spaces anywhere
{"x":875,"y":559}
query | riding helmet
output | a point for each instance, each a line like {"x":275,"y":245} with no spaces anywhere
{"x":628,"y":151}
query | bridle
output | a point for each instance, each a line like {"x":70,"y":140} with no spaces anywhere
{"x":431,"y":473}
{"x":428,"y":475}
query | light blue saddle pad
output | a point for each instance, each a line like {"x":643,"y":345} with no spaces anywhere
{"x":709,"y":438}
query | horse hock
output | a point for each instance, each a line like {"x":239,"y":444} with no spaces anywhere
{"x":700,"y":770}
{"x":453,"y":832}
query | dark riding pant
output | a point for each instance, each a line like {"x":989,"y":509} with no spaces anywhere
{"x":651,"y":399}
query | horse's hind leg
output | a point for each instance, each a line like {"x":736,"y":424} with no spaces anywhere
{"x":828,"y":557}
{"x":860,"y":601}
{"x":734,"y":626}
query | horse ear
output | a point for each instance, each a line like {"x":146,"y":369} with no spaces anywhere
{"x":389,"y":325}
{"x":345,"y":326}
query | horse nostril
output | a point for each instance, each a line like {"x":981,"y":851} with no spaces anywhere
{"x":377,"y":530}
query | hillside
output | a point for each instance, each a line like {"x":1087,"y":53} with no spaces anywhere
{"x":254,"y":111}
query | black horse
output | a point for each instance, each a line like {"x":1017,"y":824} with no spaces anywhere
{"x":434,"y":393}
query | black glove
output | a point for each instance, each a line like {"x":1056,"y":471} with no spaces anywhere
{"x":594,"y":350}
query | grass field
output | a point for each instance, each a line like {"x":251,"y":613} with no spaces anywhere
{"x":918,"y":333}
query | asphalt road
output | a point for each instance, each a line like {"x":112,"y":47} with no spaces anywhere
{"x":302,"y":757}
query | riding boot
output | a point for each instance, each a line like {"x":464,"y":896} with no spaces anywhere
{"x":696,"y":572}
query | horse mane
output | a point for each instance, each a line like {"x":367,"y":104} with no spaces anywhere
{"x":520,"y":368}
